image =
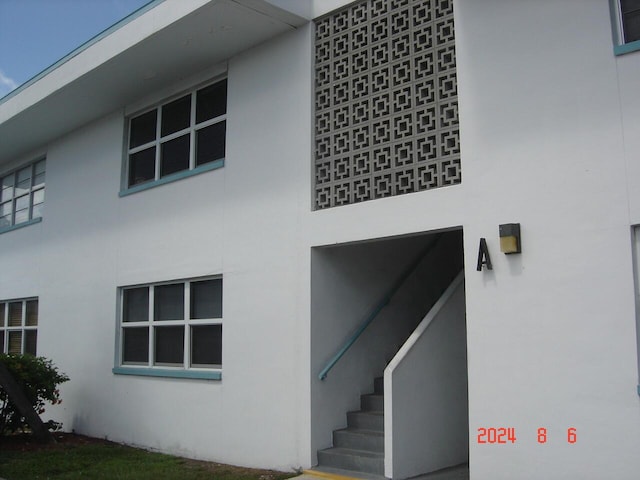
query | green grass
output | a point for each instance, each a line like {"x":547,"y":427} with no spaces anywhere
{"x":117,"y":462}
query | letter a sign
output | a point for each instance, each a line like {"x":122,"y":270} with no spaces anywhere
{"x":483,"y":256}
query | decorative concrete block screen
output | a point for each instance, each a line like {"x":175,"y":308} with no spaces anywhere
{"x":386,"y":119}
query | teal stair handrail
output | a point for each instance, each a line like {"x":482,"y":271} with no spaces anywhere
{"x":378,"y":308}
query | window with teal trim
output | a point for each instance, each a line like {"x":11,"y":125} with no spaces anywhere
{"x":173,"y":325}
{"x":178,"y":136}
{"x":630,"y":20}
{"x":22,"y":195}
{"x":19,"y":326}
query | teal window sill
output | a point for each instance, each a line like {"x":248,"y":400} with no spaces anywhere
{"x":20,"y":225}
{"x":169,"y":373}
{"x":173,"y":178}
{"x":627,"y":48}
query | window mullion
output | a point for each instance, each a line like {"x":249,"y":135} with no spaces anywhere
{"x":192,"y":126}
{"x":150,"y":324}
{"x":187,"y":316}
{"x":158,"y":142}
{"x":3,"y":322}
{"x":13,"y":200}
{"x":23,"y":323}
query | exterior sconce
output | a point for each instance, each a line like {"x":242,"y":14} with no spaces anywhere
{"x":510,"y":238}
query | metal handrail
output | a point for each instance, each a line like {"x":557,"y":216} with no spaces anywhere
{"x":378,"y":308}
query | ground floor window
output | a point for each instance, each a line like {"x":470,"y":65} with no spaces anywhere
{"x":175,"y":324}
{"x":19,"y":326}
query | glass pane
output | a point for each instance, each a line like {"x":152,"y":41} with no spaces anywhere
{"x":21,"y":216}
{"x":142,"y":166}
{"x":206,"y":299}
{"x":135,"y":345}
{"x":211,"y":143}
{"x":24,"y":175}
{"x":24,"y":181}
{"x":143,"y":129}
{"x":39,"y":167}
{"x":631,"y":27}
{"x":175,"y":155}
{"x":8,"y":181}
{"x":30,"y":341}
{"x":169,"y":345}
{"x":5,"y":209}
{"x":32,"y":313}
{"x":38,"y":180}
{"x":211,"y":101}
{"x":2,"y":310}
{"x":206,"y":345}
{"x":135,"y":306}
{"x":176,"y":115}
{"x":169,"y":302}
{"x":7,"y":194}
{"x":628,"y":5}
{"x":5,"y":221}
{"x":22,"y":202}
{"x":2,"y":341}
{"x":15,"y":342}
{"x":37,"y":210}
{"x":15,"y":314}
{"x":22,"y":188}
{"x":38,"y":196}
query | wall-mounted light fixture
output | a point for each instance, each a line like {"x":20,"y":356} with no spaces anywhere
{"x":510,"y":238}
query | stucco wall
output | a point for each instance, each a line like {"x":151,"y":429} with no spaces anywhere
{"x":426,"y":409}
{"x":91,"y":241}
{"x":551,"y":332}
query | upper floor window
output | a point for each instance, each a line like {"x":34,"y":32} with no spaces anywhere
{"x":19,"y":326}
{"x":22,"y":196}
{"x":178,"y":136}
{"x":630,"y":20}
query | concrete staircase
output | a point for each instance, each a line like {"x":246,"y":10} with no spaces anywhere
{"x":359,"y":448}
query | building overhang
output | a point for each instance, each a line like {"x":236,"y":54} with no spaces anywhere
{"x":162,"y":43}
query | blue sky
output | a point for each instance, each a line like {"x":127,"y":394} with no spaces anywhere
{"x":35,"y":34}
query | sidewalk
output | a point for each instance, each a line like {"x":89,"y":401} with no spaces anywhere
{"x":460,"y":472}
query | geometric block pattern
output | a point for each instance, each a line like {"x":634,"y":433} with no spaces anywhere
{"x":386,"y":101}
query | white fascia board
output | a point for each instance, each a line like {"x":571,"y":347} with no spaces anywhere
{"x":106,"y":46}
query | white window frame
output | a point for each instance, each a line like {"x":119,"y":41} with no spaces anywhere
{"x":6,"y":329}
{"x":184,"y":370}
{"x":9,"y":197}
{"x":159,"y":140}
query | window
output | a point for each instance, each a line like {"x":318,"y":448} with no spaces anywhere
{"x":176,"y":325}
{"x":19,"y":326}
{"x":179,"y":136}
{"x":630,"y":20}
{"x":22,"y":195}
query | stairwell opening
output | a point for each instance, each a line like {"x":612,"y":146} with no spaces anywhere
{"x":348,"y":283}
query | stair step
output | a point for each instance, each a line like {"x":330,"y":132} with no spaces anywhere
{"x":372,"y":402}
{"x":368,"y":440}
{"x":366,"y":421}
{"x":378,"y":385}
{"x":349,"y":459}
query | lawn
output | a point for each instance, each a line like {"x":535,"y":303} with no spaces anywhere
{"x":75,"y":456}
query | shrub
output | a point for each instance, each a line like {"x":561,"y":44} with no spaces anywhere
{"x":39,"y":380}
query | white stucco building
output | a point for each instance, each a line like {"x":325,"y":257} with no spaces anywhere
{"x":235,"y":188}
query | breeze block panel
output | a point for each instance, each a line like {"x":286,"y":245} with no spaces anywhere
{"x":386,"y":101}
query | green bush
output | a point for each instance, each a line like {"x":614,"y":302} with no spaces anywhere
{"x":39,"y":380}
